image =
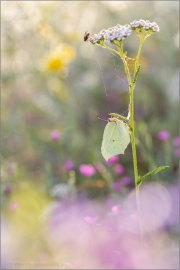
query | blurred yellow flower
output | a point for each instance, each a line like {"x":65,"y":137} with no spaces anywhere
{"x":59,"y":58}
{"x":54,"y":63}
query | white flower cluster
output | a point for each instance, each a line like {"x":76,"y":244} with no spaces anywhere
{"x":118,"y":32}
{"x":146,"y":25}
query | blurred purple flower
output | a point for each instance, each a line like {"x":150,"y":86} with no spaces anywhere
{"x":119,"y":169}
{"x":112,"y":240}
{"x":7,"y":190}
{"x":90,"y":219}
{"x":126,"y":180}
{"x":86,"y":170}
{"x":55,"y":135}
{"x":115,"y":209}
{"x":176,"y":141}
{"x":68,"y":165}
{"x":112,"y":160}
{"x":177,"y":152}
{"x":117,"y":185}
{"x":163,"y":135}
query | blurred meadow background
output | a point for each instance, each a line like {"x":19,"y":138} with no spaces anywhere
{"x":53,"y":173}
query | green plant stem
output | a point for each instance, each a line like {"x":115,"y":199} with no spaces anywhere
{"x":132,"y":132}
{"x":135,"y":160}
{"x":138,"y":54}
{"x":133,"y":135}
{"x":131,"y":95}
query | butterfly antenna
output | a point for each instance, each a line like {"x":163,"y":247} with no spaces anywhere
{"x":102,"y":119}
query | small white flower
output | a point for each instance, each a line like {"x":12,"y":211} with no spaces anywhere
{"x":141,"y":22}
{"x":120,"y":32}
{"x":146,"y":26}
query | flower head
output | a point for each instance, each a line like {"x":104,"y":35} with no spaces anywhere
{"x":54,"y":63}
{"x":112,"y":160}
{"x":116,"y":33}
{"x":117,"y":185}
{"x":87,"y":170}
{"x":119,"y":169}
{"x":55,"y":135}
{"x":59,"y":58}
{"x":143,"y":29}
{"x":163,"y":135}
{"x":126,"y":180}
{"x":119,"y":32}
{"x":146,"y":25}
{"x":68,"y":165}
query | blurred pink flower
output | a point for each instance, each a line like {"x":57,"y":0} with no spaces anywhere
{"x":112,"y":238}
{"x":86,"y":170}
{"x":126,"y":180}
{"x":112,"y":160}
{"x":177,"y":152}
{"x":163,"y":135}
{"x":115,"y":209}
{"x":55,"y":135}
{"x":117,"y":185}
{"x":68,"y":165}
{"x":176,"y":141}
{"x":13,"y":206}
{"x":119,"y":169}
{"x":90,"y":219}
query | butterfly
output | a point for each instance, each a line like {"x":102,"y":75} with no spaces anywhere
{"x":115,"y":138}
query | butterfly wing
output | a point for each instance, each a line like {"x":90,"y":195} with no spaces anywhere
{"x":123,"y":135}
{"x":115,"y":139}
{"x":104,"y":152}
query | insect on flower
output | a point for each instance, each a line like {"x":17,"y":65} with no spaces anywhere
{"x":86,"y":36}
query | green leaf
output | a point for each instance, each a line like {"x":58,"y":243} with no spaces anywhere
{"x":142,"y":178}
{"x":136,"y":74}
